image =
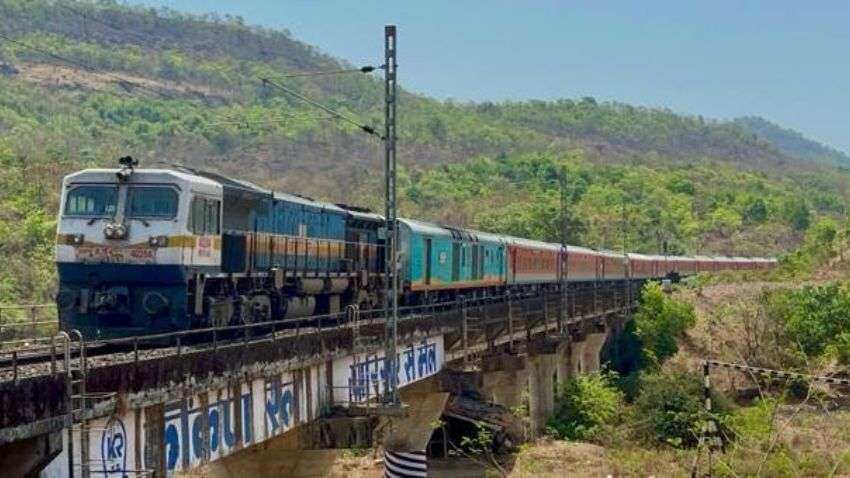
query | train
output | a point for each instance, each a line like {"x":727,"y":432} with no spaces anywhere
{"x":144,"y":251}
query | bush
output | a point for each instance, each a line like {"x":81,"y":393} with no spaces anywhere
{"x":659,"y":321}
{"x":815,"y":320}
{"x":584,"y":405}
{"x":672,"y":405}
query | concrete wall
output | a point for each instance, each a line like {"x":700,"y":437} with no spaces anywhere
{"x":203,"y":426}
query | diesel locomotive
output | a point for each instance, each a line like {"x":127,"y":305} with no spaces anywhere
{"x":144,"y":251}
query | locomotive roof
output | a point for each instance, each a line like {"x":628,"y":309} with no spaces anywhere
{"x":108,"y":175}
{"x":294,"y":198}
{"x":228,"y":182}
{"x":361,"y":213}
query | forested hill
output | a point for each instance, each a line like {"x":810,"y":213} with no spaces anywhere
{"x":198,"y":78}
{"x":792,"y":143}
{"x":83,"y":83}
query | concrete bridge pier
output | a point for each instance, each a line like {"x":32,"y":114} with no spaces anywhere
{"x":593,"y":344}
{"x":505,"y":387}
{"x":541,"y":391}
{"x":505,"y":380}
{"x":577,"y":358}
{"x":563,"y":365}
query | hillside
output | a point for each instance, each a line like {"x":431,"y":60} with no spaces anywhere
{"x":792,"y":143}
{"x":82,"y":83}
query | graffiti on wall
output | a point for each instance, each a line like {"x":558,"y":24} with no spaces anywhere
{"x":280,"y":405}
{"x":194,"y":432}
{"x":208,"y":426}
{"x":415,"y":361}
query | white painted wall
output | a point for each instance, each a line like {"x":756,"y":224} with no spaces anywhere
{"x":268,"y":406}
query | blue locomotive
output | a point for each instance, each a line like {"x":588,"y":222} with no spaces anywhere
{"x":144,"y":251}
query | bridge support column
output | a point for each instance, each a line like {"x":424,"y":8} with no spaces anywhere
{"x":563,"y":362}
{"x":576,"y":351}
{"x":505,"y":387}
{"x":541,"y":391}
{"x":592,"y":349}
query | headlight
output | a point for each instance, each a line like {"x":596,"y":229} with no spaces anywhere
{"x":77,"y":238}
{"x":158,"y":241}
{"x":115,"y":231}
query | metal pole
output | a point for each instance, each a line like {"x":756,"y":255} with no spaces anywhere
{"x":391,"y":231}
{"x":709,"y":429}
{"x":562,"y":179}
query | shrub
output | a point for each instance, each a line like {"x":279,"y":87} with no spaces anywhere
{"x":659,"y":321}
{"x":672,"y":405}
{"x":584,"y":405}
{"x":814,"y":319}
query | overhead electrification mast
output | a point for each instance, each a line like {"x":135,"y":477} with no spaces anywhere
{"x":391,"y":241}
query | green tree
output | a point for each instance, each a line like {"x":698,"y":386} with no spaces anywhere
{"x":659,"y":321}
{"x":797,"y":214}
{"x":756,"y":211}
{"x":584,"y":405}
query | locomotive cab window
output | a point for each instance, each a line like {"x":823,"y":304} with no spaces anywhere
{"x":152,"y":202}
{"x":92,"y":201}
{"x":204,"y":216}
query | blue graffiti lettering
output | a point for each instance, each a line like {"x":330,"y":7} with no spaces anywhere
{"x":197,"y":437}
{"x":228,"y":426}
{"x":272,"y":408}
{"x":172,"y":445}
{"x":286,"y":407}
{"x":214,"y":427}
{"x":408,"y":364}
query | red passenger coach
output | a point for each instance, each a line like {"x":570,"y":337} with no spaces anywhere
{"x":642,"y":266}
{"x":532,"y":262}
{"x":613,"y":265}
{"x":581,"y":264}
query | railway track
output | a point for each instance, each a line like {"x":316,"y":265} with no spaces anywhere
{"x":46,"y":356}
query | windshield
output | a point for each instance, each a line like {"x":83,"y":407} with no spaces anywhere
{"x":92,"y":201}
{"x":158,"y":202}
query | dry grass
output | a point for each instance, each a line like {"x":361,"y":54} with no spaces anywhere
{"x":549,"y":458}
{"x":70,"y":78}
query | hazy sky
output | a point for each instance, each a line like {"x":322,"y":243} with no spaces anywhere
{"x":782,"y":59}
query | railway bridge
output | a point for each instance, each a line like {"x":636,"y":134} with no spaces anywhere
{"x":165,"y":404}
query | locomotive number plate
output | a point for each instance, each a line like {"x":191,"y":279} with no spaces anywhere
{"x":116,"y":255}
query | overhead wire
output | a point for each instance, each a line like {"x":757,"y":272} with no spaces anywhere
{"x":266,"y":81}
{"x":273,"y":120}
{"x":362,"y":69}
{"x":364,"y":127}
